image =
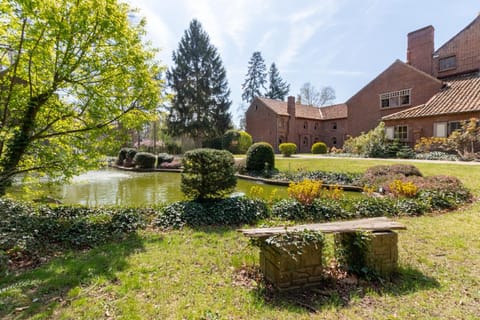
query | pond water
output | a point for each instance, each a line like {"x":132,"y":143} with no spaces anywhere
{"x":115,"y":187}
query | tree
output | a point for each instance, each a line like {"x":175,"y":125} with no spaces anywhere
{"x":200,"y":100}
{"x":309,"y":95}
{"x":278,"y":89}
{"x":256,"y":78}
{"x":70,"y":72}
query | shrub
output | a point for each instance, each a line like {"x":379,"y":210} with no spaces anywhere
{"x":124,"y":154}
{"x":432,"y":144}
{"x":244,"y":142}
{"x":327,"y":209}
{"x":212,"y":143}
{"x":305,"y":191}
{"x":173,"y":148}
{"x":229,"y":211}
{"x":236,"y":141}
{"x":164,"y":158}
{"x":175,"y":164}
{"x":351,"y":252}
{"x":403,"y":188}
{"x":378,"y":175}
{"x":319,"y":148}
{"x":327,"y":177}
{"x":208,"y":174}
{"x":260,"y":156}
{"x":405,"y":152}
{"x":144,"y":160}
{"x":370,"y":144}
{"x":287,"y":149}
{"x":375,"y":207}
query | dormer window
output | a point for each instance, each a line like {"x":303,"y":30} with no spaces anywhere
{"x":447,"y":63}
{"x":395,"y":98}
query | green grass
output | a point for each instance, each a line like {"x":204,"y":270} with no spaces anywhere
{"x":193,"y":274}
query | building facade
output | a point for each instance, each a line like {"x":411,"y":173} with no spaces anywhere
{"x":429,"y":95}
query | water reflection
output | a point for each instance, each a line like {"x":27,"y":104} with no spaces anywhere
{"x":114,"y":187}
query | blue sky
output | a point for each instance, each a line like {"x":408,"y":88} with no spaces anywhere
{"x":340,"y":43}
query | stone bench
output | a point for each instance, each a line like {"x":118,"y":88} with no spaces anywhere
{"x":286,"y":272}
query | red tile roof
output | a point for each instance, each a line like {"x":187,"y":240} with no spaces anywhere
{"x":336,"y":111}
{"x":460,"y":94}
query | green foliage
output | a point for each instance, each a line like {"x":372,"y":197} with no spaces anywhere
{"x":68,"y":49}
{"x":277,"y":88}
{"x":375,"y":207}
{"x":371,"y":144}
{"x":228,"y":211}
{"x":208,"y":174}
{"x":26,"y":229}
{"x":293,"y":243}
{"x":327,"y":177}
{"x":198,"y":79}
{"x":236,"y":141}
{"x":259,"y":156}
{"x":213,"y":143}
{"x":405,"y":152}
{"x":164,"y":158}
{"x":256,"y":78}
{"x":319,"y":148}
{"x":173,"y":148}
{"x":464,"y":141}
{"x":287,"y":148}
{"x":144,"y":160}
{"x":351,"y":251}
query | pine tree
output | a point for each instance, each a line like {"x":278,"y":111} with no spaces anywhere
{"x":256,"y":78}
{"x":201,"y":95}
{"x":278,"y":88}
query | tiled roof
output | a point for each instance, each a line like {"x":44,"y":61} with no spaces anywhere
{"x":336,"y":111}
{"x":460,"y":94}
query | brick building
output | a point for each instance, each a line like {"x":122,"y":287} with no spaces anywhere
{"x":277,"y":121}
{"x":429,"y":95}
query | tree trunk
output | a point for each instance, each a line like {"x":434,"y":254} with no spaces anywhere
{"x":19,"y":142}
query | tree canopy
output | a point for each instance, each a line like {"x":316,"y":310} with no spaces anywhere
{"x":277,"y":88}
{"x":311,"y":96}
{"x":200,"y":102}
{"x":70,"y":71}
{"x":256,"y":78}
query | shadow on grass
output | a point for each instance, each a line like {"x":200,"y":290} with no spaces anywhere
{"x":40,"y":291}
{"x":338,"y":293}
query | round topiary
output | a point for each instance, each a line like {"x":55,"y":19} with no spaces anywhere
{"x":208,"y":174}
{"x":244,"y":142}
{"x":123,"y":155}
{"x":260,"y":156}
{"x":144,"y":160}
{"x":287,"y":148}
{"x":319,"y":148}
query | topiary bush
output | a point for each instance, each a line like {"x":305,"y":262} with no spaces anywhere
{"x":144,"y":160}
{"x":236,"y":141}
{"x":260,"y":156}
{"x":208,"y":174}
{"x":163,"y":158}
{"x":287,"y":148}
{"x":123,"y":154}
{"x":319,"y":148}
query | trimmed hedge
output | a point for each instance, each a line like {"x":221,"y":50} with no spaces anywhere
{"x":144,"y":160}
{"x":260,"y":156}
{"x":287,"y":149}
{"x":319,"y":148}
{"x":208,"y":174}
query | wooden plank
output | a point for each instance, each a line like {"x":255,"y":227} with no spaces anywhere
{"x":370,"y":224}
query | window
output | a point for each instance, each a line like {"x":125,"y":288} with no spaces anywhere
{"x":334,"y":126}
{"x":256,"y":107}
{"x":305,"y":125}
{"x":395,"y":98}
{"x":315,"y":127}
{"x":440,"y":129}
{"x":401,"y":133}
{"x":454,"y":126}
{"x":447,"y":63}
{"x":390,"y":132}
{"x":334,"y":141}
{"x":305,"y":141}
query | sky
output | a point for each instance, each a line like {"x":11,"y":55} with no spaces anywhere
{"x":339,"y":43}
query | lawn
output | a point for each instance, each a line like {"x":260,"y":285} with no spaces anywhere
{"x":201,"y":273}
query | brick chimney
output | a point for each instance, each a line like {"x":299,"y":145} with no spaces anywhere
{"x":420,"y":49}
{"x":292,"y":119}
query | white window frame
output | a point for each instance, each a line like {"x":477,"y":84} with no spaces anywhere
{"x":394,"y":98}
{"x":440,"y":129}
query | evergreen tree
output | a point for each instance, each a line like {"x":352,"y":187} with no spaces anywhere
{"x":256,"y":78}
{"x":201,"y":101}
{"x":278,"y":88}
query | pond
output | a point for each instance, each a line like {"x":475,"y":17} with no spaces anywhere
{"x":115,"y":187}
